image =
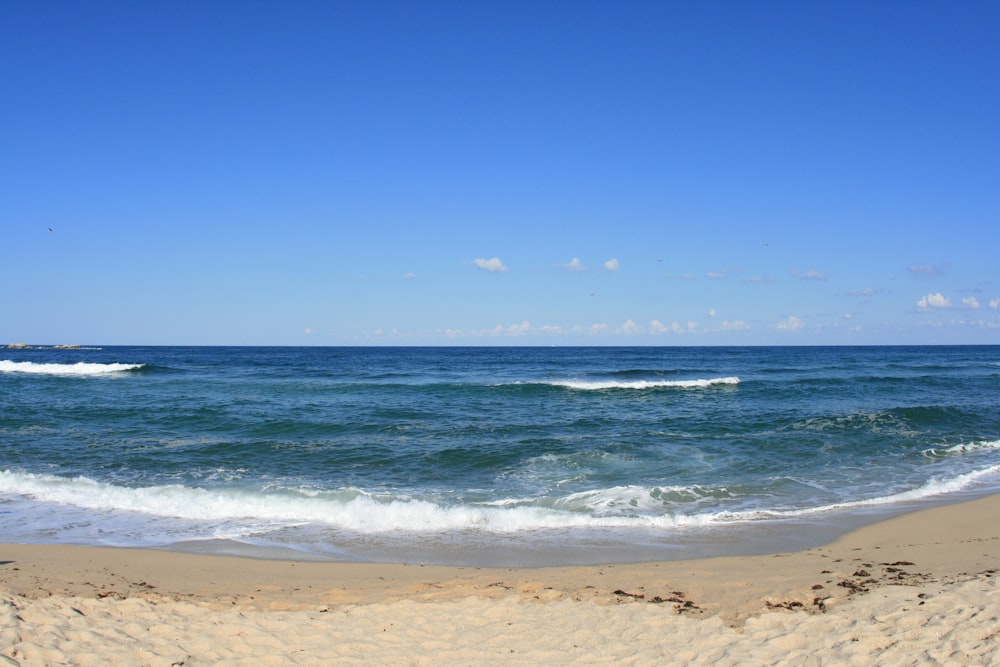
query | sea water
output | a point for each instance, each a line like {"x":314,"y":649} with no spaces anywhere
{"x":487,"y":456}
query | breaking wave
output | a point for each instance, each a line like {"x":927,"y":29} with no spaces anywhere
{"x":80,"y":368}
{"x":596,"y":385}
{"x":362,"y":512}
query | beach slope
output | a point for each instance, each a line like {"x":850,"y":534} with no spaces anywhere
{"x":917,"y":589}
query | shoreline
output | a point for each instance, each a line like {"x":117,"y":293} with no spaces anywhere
{"x":942,"y":556}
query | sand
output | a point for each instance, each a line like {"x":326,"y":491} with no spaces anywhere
{"x":920,"y":589}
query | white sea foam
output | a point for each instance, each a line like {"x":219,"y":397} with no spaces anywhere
{"x":356,"y":511}
{"x":591,"y":385}
{"x":964,"y":448}
{"x":934,"y":487}
{"x":633,"y":499}
{"x":350,"y":510}
{"x":80,"y":368}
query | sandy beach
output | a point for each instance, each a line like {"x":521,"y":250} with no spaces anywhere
{"x":917,"y":589}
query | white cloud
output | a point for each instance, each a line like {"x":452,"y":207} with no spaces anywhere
{"x":930,"y":301}
{"x":995,"y":304}
{"x":970,"y":302}
{"x":612,"y":264}
{"x":959,"y":322}
{"x":809,"y":275}
{"x":711,"y":312}
{"x":631,"y":328}
{"x":574,"y":265}
{"x":552,"y":329}
{"x":868,"y":291}
{"x":715,"y":274}
{"x":658,"y":327}
{"x":493,"y":264}
{"x":763,"y":280}
{"x":519,"y":329}
{"x":309,"y":331}
{"x":408,"y":276}
{"x":792,"y":323}
{"x":735,"y":325}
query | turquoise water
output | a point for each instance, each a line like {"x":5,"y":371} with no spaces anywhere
{"x":487,"y":455}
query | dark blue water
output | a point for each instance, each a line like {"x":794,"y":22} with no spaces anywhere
{"x":487,"y":455}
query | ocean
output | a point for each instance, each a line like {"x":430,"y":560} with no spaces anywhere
{"x":478,"y":456}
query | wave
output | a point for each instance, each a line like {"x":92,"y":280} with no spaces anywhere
{"x":346,"y":509}
{"x":362,"y":512}
{"x":80,"y":368}
{"x":598,"y":385}
{"x":964,"y":448}
{"x":932,"y":488}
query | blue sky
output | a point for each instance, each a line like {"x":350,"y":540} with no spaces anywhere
{"x":500,"y":173}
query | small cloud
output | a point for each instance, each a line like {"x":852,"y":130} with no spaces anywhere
{"x":761,"y":280}
{"x":631,"y":328}
{"x":408,"y":276}
{"x":940,"y":301}
{"x":735,"y":325}
{"x":494,"y":265}
{"x":995,"y":304}
{"x":519,"y":329}
{"x":716,"y":275}
{"x":932,"y":301}
{"x":612,"y":264}
{"x":868,"y":291}
{"x":809,"y":275}
{"x":791,"y":324}
{"x":658,"y":327}
{"x":574,"y":265}
{"x":930,"y":270}
{"x":309,"y":331}
{"x":711,"y":312}
{"x":970,"y":302}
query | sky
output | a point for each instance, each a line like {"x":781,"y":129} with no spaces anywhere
{"x":436,"y":172}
